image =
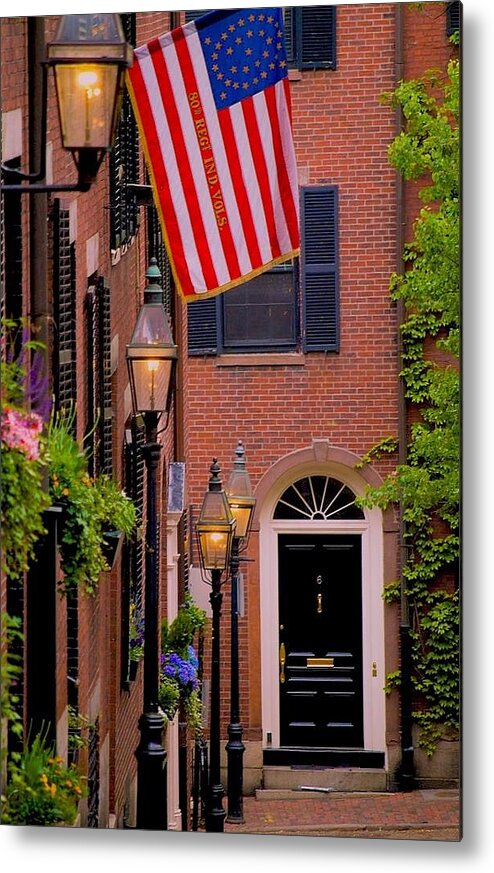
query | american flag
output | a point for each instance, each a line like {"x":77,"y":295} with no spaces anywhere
{"x":213,"y":104}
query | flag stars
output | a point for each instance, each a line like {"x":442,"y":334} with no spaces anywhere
{"x":233,"y":69}
{"x":245,"y":86}
{"x":223,"y":95}
{"x":239,"y":40}
{"x":250,"y":34}
{"x":283,"y":64}
{"x":248,"y":51}
{"x":252,"y":18}
{"x":231,"y":28}
{"x":270,"y":19}
{"x":215,"y":68}
{"x":272,"y":66}
{"x":245,"y":69}
{"x":219,"y":76}
{"x":217,"y":45}
{"x":214,"y":56}
{"x":229,"y":50}
{"x":264,"y":75}
{"x":257,"y":63}
{"x":228,"y":82}
{"x":241,"y":21}
{"x":261,"y":17}
{"x":269,"y":40}
{"x":224,"y":36}
{"x":265,"y":54}
{"x":208,"y":40}
{"x":262,"y":33}
{"x":236,"y":85}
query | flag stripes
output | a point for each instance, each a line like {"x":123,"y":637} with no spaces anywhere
{"x":224,"y":179}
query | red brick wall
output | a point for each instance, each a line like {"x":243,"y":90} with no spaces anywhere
{"x":341,"y":132}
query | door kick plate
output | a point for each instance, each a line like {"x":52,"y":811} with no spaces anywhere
{"x":320,"y":662}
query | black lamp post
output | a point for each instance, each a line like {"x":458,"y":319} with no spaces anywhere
{"x":215,"y":529}
{"x":239,"y":493}
{"x":151,"y":355}
{"x":89,"y":56}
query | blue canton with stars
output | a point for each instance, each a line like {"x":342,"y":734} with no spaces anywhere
{"x":244,"y":51}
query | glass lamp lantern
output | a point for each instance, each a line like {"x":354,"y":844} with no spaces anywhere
{"x":151,"y":353}
{"x":216,"y":525}
{"x":89,"y":56}
{"x":239,"y":493}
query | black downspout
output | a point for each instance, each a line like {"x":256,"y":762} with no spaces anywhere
{"x":41,"y":607}
{"x":406,"y":769}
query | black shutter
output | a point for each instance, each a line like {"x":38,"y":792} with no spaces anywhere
{"x":319,"y":268}
{"x":453,"y":18}
{"x":133,"y":562}
{"x":93,"y":775}
{"x":65,"y":367}
{"x":124,"y":162}
{"x":288,"y":22}
{"x":190,"y":14}
{"x":104,"y":393}
{"x":12,"y":251}
{"x":315,"y":31}
{"x":91,"y":312}
{"x":201,"y":327}
{"x":74,"y":733}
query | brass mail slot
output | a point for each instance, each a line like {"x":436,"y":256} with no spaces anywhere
{"x":320,"y":662}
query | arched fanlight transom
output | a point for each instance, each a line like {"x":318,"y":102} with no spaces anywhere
{"x":317,"y":498}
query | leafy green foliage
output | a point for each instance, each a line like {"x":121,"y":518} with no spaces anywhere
{"x":10,"y":670}
{"x":427,"y":486}
{"x":92,"y":507}
{"x":179,"y":680}
{"x":23,"y":459}
{"x":41,"y":789}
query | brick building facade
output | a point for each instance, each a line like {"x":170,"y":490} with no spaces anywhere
{"x":308,"y":382}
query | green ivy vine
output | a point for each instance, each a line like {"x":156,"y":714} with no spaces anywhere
{"x":427,"y":485}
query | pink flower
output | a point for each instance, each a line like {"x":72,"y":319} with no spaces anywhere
{"x":21,"y":430}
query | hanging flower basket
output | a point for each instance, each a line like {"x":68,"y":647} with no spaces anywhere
{"x":112,"y":546}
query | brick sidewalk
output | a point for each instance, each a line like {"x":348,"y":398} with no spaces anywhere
{"x":426,"y":814}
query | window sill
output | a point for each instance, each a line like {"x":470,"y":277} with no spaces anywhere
{"x":281,"y":359}
{"x":294,"y":75}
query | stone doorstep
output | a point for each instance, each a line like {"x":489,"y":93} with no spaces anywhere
{"x":300,"y":793}
{"x":291,"y":779}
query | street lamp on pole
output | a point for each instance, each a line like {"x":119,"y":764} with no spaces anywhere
{"x":242,"y":503}
{"x":89,"y":57}
{"x":215,"y":529}
{"x":151,"y":356}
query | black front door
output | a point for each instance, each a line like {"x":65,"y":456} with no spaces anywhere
{"x":320,"y":640}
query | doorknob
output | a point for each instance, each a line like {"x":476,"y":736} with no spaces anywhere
{"x":282,"y":662}
{"x":319,"y":603}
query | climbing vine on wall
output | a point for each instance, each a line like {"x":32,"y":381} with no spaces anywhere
{"x":427,"y":484}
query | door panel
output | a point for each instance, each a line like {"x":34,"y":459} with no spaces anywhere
{"x":320,"y":639}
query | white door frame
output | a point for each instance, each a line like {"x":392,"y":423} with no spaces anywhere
{"x":371,"y":531}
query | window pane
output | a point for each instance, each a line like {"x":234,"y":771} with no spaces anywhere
{"x":260,"y":312}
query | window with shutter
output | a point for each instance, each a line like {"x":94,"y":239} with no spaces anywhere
{"x":262,"y":314}
{"x":319,"y":268}
{"x":124,"y":163}
{"x":65,"y":369}
{"x":310,"y":35}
